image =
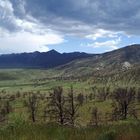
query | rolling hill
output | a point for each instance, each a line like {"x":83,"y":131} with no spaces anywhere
{"x":120,"y":66}
{"x":111,"y":62}
{"x":77,"y":64}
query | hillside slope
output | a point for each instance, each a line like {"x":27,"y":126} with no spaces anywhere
{"x":111,"y":62}
{"x":76,"y":63}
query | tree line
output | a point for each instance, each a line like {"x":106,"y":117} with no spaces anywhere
{"x":63,"y":109}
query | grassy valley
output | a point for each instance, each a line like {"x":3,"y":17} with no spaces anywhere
{"x":98,"y":87}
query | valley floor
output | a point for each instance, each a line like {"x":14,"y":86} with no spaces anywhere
{"x":16,"y":86}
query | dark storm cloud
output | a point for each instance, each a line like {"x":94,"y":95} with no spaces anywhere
{"x":81,"y":16}
{"x":7,"y":19}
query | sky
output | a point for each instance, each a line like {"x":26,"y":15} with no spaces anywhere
{"x":92,"y":26}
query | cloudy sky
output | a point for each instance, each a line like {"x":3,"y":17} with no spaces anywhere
{"x":92,"y":26}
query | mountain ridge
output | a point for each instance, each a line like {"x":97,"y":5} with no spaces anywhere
{"x":36,"y":59}
{"x":51,"y":59}
{"x":107,"y":63}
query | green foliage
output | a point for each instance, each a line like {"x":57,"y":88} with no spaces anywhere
{"x":108,"y":135}
{"x":28,"y":131}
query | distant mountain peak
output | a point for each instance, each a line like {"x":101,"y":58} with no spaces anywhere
{"x":53,"y":58}
{"x":53,"y":52}
{"x":133,"y":46}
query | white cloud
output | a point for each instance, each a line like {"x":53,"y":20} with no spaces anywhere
{"x":7,"y":17}
{"x":28,"y":42}
{"x":101,"y":33}
{"x":6,"y":8}
{"x":30,"y":36}
{"x":110,"y":44}
{"x":24,"y":27}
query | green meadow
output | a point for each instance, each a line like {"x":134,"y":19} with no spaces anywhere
{"x":16,"y":84}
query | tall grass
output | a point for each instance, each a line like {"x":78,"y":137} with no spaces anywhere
{"x":26,"y":131}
